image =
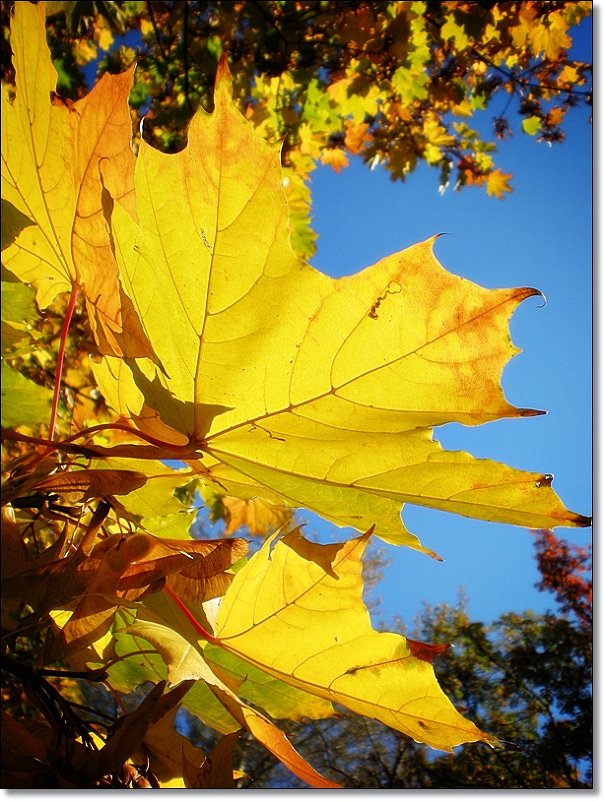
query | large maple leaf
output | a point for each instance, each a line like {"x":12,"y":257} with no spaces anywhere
{"x":53,"y":155}
{"x":296,"y":611}
{"x":296,"y":387}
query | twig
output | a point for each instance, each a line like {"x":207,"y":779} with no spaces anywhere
{"x":75,"y":290}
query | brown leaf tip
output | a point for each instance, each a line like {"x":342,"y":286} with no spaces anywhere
{"x":531,"y":412}
{"x":530,"y":292}
{"x":223,"y":73}
{"x":426,"y":651}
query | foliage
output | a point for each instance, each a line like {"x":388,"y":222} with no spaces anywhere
{"x":526,"y":677}
{"x":566,"y":571}
{"x":155,"y":312}
{"x":396,"y":84}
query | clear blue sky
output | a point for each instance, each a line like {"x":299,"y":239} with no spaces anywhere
{"x":539,"y":236}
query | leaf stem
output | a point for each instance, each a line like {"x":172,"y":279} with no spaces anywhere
{"x":73,"y":297}
{"x":85,"y":432}
{"x":196,"y":625}
{"x":162,"y":450}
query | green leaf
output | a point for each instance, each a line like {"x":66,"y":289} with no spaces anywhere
{"x":531,"y":125}
{"x":23,"y":402}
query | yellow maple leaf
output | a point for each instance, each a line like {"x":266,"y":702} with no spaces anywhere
{"x":498,"y":183}
{"x":299,"y":388}
{"x":84,"y":51}
{"x":258,"y":516}
{"x":104,"y":37}
{"x":335,"y":158}
{"x":552,"y":38}
{"x":569,"y":76}
{"x":53,"y":155}
{"x":296,"y":611}
{"x":437,"y":139}
{"x":451,"y":29}
{"x":146,"y":27}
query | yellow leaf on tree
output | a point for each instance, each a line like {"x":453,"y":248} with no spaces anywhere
{"x":104,"y":37}
{"x":306,"y":390}
{"x":451,"y":29}
{"x":296,"y":611}
{"x":84,"y":51}
{"x":569,"y":76}
{"x":53,"y":155}
{"x":335,"y":158}
{"x":357,"y":136}
{"x":258,"y":516}
{"x":498,"y":183}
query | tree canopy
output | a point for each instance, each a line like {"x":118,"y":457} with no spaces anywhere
{"x":396,"y":84}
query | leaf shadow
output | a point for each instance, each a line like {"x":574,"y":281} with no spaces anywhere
{"x":179,"y":415}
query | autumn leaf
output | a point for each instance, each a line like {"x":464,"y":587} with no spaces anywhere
{"x":162,"y":745}
{"x":154,"y":506}
{"x":298,"y":388}
{"x":216,"y":770}
{"x":185,"y":661}
{"x":58,"y":159}
{"x":497,"y":183}
{"x":34,"y":400}
{"x":76,"y":486}
{"x":162,"y":622}
{"x":32,"y":748}
{"x":296,"y":611}
{"x":273,"y":738}
{"x":278,"y":698}
{"x":120,"y":571}
{"x":258,"y":517}
{"x":335,"y":158}
{"x":161,"y":625}
{"x":531,"y":125}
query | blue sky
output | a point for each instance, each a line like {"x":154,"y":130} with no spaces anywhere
{"x":539,"y":236}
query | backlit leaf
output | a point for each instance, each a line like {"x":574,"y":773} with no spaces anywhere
{"x":54,"y":153}
{"x":23,"y":402}
{"x":298,"y":388}
{"x":296,"y":611}
{"x":182,"y":656}
{"x":531,"y":125}
{"x":216,"y":771}
{"x":497,"y":183}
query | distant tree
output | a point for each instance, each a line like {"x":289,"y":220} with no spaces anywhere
{"x":566,"y":572}
{"x":525,"y":678}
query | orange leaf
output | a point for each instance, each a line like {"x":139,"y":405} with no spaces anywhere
{"x":58,"y":157}
{"x":335,"y":158}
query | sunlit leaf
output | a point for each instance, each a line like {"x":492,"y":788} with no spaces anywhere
{"x":296,"y":611}
{"x":54,"y":153}
{"x":301,"y":389}
{"x":24,"y":403}
{"x":184,"y":661}
{"x":216,"y":770}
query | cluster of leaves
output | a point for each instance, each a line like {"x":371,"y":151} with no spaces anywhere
{"x":525,"y":677}
{"x":394,"y":83}
{"x":156,"y":312}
